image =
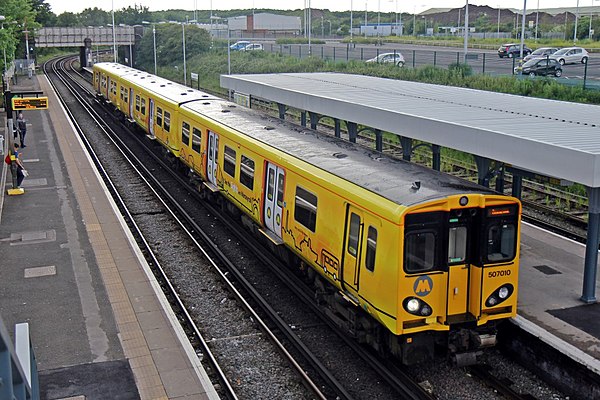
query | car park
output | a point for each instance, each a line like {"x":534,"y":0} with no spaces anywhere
{"x":511,"y":50}
{"x":542,"y":52}
{"x":396,"y":58}
{"x":253,"y":46}
{"x":571,"y":55}
{"x":239,"y":45}
{"x":541,"y":67}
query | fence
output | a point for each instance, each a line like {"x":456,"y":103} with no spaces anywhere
{"x":481,"y":62}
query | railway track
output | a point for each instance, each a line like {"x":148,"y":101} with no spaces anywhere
{"x":402,"y":385}
{"x":207,"y":249}
{"x":389,"y":372}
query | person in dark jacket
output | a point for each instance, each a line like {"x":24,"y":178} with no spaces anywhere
{"x":21,"y":128}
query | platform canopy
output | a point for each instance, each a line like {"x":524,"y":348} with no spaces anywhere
{"x":553,"y":138}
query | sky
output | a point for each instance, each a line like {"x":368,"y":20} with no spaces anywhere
{"x":60,"y":6}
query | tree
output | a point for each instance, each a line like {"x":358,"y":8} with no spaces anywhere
{"x":67,"y":19}
{"x":44,"y":15}
{"x":169,"y":45}
{"x":95,"y":17}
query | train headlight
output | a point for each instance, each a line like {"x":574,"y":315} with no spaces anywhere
{"x":417,"y":307}
{"x":499,"y":295}
{"x":412,"y":305}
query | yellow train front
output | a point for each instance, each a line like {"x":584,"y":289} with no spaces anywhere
{"x":407,"y":259}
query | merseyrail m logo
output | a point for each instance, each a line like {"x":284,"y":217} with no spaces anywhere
{"x":423,"y":286}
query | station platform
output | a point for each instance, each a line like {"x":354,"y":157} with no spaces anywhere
{"x":550,"y":288}
{"x":99,"y":324}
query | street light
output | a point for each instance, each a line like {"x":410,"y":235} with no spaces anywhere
{"x":366,"y":23}
{"x":153,"y":42}
{"x":537,"y":20}
{"x":576,"y":19}
{"x":113,"y":30}
{"x":498,"y":21}
{"x":466,"y":40}
{"x":329,"y":22}
{"x":183,"y":45}
{"x":351,"y":21}
{"x":523,"y":27}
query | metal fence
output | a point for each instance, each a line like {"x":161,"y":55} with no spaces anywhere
{"x":481,"y":62}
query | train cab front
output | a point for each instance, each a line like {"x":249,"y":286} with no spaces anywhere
{"x":460,"y":262}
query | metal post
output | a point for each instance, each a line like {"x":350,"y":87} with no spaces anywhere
{"x":378,"y":140}
{"x":517,"y":186}
{"x":314,"y":119}
{"x":585,"y":74}
{"x":113,"y":30}
{"x":333,"y":53}
{"x":281,"y":108}
{"x":483,"y":169}
{"x":434,"y":58}
{"x":523,"y":28}
{"x":591,"y":248}
{"x":537,"y":20}
{"x":351,"y":21}
{"x":352,"y":131}
{"x":184,"y":62}
{"x":466,"y":39}
{"x":406,"y":143}
{"x":130,"y":56}
{"x":498,"y":22}
{"x":154,"y":40}
{"x":437,"y":164}
{"x":576,"y":20}
{"x":337,"y":128}
{"x":303,"y":118}
{"x":414,"y":57}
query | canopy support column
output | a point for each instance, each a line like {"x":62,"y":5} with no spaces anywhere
{"x":436,"y":155}
{"x":591,"y":248}
{"x":338,"y":129}
{"x":378,"y":140}
{"x":483,"y":170}
{"x":352,"y":131}
{"x":282,"y":108}
{"x":406,"y":147}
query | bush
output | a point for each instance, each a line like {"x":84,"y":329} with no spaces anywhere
{"x":461,"y":69}
{"x":298,"y":40}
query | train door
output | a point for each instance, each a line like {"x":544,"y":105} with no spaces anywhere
{"x":131,"y":101}
{"x":353,"y":243}
{"x":461,"y":229}
{"x":151,"y":117}
{"x":212,"y":157}
{"x":273,"y":201}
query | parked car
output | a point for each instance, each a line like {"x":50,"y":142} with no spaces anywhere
{"x":239,"y":45}
{"x":540,"y":66}
{"x":511,"y":50}
{"x":385,"y":58}
{"x":571,"y":55}
{"x":253,"y":46}
{"x":542,"y":52}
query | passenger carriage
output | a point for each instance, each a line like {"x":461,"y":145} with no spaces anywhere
{"x":432,"y":258}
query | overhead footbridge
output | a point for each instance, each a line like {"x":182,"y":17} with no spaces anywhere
{"x":75,"y":36}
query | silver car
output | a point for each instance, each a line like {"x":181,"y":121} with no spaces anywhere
{"x":542,"y":52}
{"x":571,"y":55}
{"x":385,"y":58}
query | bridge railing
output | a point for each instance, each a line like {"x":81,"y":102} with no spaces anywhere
{"x":18,"y":368}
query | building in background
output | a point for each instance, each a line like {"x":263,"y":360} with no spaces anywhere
{"x":265,"y":24}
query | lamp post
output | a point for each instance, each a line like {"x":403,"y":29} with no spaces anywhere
{"x":498,"y":21}
{"x":153,"y":42}
{"x":366,"y":5}
{"x":576,"y":20}
{"x":351,"y":22}
{"x":113,"y":30}
{"x":414,"y":20}
{"x":523,"y":27}
{"x":466,"y":41}
{"x":329,"y":22}
{"x":184,"y":62}
{"x":537,"y":20}
{"x":591,"y":14}
{"x":2,"y":18}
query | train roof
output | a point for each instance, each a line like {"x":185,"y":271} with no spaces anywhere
{"x":391,"y":178}
{"x":161,"y":87}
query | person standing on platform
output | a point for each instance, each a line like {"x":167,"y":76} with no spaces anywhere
{"x":20,"y":169}
{"x":21,"y":128}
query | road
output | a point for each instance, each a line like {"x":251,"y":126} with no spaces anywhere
{"x":482,"y":61}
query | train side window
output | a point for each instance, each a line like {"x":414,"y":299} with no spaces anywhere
{"x":185,"y":133}
{"x":137,"y":102}
{"x":167,"y":125}
{"x":270,"y":184}
{"x":159,"y":116}
{"x":143,"y":106}
{"x":280,"y":185}
{"x":419,"y":251}
{"x":457,"y":244}
{"x":121,"y":93}
{"x":305,"y":208}
{"x":125,"y":95}
{"x":353,"y":234}
{"x":247,"y":172}
{"x":229,"y":161}
{"x":501,"y":242}
{"x":196,"y":139}
{"x":371,"y":249}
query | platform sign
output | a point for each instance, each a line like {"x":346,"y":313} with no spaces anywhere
{"x":29,"y":103}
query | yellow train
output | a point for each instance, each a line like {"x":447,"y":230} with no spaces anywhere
{"x":409,"y":259}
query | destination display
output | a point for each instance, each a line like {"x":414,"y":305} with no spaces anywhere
{"x":29,"y":103}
